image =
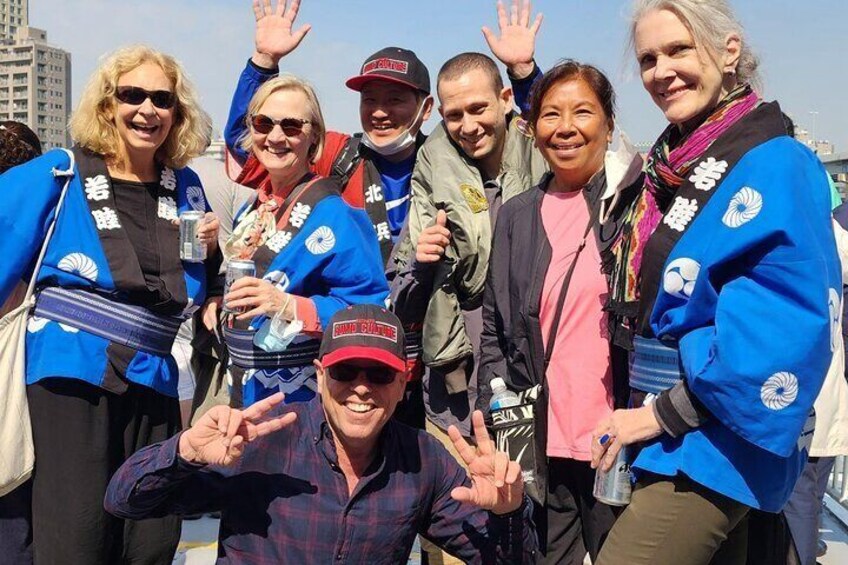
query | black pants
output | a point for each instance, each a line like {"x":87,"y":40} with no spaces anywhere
{"x":82,"y":434}
{"x":15,"y":526}
{"x":573,"y":522}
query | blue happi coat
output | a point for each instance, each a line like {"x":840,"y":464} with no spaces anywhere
{"x":90,"y":250}
{"x":327,"y":252}
{"x":750,"y":294}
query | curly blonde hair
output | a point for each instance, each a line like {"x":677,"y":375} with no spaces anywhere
{"x":291,"y":83}
{"x":93,"y":123}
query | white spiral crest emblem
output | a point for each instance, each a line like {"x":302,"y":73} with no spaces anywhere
{"x":679,"y":277}
{"x":834,"y":304}
{"x":321,"y":241}
{"x":744,"y":207}
{"x":80,"y":264}
{"x":36,"y":324}
{"x":196,"y":198}
{"x":779,"y":391}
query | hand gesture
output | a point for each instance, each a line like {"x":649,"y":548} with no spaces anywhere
{"x":433,"y":240}
{"x":275,"y":37}
{"x":221,"y":434}
{"x":260,"y":296}
{"x":496,"y":482}
{"x":208,"y":232}
{"x":209,"y":314}
{"x":517,"y":42}
{"x":624,"y":427}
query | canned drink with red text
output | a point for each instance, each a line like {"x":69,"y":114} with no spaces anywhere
{"x":192,"y":249}
{"x":236,"y":269}
{"x":614,"y":487}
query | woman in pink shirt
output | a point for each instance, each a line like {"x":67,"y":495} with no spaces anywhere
{"x":544,"y":319}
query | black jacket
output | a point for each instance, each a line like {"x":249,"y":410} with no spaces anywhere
{"x":512,"y":346}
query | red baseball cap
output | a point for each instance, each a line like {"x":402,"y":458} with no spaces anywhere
{"x":364,"y":332}
{"x":393,"y":64}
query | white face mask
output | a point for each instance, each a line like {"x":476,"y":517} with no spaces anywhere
{"x":398,"y":144}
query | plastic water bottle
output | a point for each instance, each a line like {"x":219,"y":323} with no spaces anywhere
{"x":502,"y":397}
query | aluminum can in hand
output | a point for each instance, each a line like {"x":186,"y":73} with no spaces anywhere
{"x":614,"y":487}
{"x":192,"y":249}
{"x":236,"y":269}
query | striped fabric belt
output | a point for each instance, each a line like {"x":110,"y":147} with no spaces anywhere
{"x":654,"y":366}
{"x":245,"y":355}
{"x":125,"y":324}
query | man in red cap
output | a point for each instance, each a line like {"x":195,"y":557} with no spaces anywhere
{"x":346,"y":482}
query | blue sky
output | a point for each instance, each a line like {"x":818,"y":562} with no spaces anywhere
{"x":801,"y":44}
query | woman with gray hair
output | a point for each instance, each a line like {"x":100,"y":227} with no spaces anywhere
{"x":729,"y":283}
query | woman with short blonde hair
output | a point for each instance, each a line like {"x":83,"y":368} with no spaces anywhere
{"x":295,"y":84}
{"x":114,"y":286}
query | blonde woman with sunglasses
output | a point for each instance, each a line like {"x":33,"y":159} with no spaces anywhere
{"x":111,"y":293}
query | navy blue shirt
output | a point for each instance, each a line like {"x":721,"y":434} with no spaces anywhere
{"x":396,"y":179}
{"x":287,"y":501}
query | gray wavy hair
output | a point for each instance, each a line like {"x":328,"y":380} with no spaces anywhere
{"x":709,"y":22}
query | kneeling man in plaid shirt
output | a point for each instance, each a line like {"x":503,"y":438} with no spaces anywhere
{"x":336,"y":479}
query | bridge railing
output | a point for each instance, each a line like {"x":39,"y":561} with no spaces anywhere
{"x":837,"y":486}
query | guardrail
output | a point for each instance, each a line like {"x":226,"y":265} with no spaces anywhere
{"x":837,"y":486}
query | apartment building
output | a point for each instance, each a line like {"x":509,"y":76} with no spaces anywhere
{"x":35,"y":77}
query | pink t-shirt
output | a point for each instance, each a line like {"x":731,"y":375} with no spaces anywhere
{"x":579,"y":375}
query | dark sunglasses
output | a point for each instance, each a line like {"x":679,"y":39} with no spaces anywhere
{"x":135,"y":95}
{"x":374,"y":375}
{"x":263,"y":124}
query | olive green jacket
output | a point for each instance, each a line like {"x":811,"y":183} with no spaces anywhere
{"x":444,"y":178}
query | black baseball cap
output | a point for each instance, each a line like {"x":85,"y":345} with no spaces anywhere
{"x":364,"y":332}
{"x":393,"y":64}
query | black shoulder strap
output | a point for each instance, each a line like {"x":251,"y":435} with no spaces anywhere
{"x":593,"y":216}
{"x":347,"y":160}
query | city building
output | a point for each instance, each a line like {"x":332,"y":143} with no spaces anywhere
{"x":35,"y":77}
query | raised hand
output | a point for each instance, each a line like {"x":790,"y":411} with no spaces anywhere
{"x":517,"y":42}
{"x":496,"y":482}
{"x":221,"y":434}
{"x":433,"y":240}
{"x":275,"y":36}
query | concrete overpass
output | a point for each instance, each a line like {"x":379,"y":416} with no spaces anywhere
{"x":836,"y":164}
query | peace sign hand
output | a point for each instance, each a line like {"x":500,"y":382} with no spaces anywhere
{"x":496,"y":483}
{"x":220,"y":436}
{"x":275,"y":37}
{"x":517,"y":42}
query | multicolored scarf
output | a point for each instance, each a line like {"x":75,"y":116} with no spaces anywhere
{"x":669,"y":162}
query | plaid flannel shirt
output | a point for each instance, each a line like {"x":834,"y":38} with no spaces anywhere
{"x":287,"y":500}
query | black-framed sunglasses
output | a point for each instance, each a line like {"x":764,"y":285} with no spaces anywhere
{"x":292,"y":127}
{"x":374,"y":375}
{"x":135,"y":95}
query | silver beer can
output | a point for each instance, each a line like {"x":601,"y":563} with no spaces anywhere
{"x":236,"y":269}
{"x":614,"y":487}
{"x":192,"y":249}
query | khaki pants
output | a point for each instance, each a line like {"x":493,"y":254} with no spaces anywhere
{"x":672,"y":521}
{"x":432,"y":553}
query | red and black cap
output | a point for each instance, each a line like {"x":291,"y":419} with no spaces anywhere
{"x":393,"y":64}
{"x":364,"y":332}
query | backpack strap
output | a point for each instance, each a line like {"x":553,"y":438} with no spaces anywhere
{"x":347,"y":160}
